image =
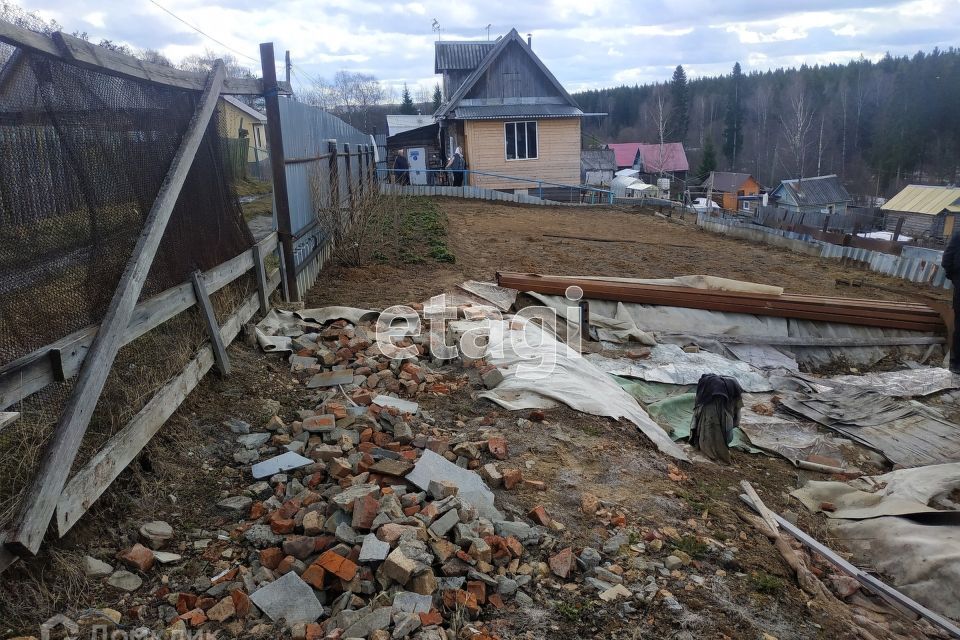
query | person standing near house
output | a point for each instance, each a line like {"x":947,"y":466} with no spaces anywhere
{"x":401,"y":168}
{"x":951,"y":264}
{"x":456,"y":165}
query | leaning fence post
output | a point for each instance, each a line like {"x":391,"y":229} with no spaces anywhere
{"x":281,"y":202}
{"x":210,"y":319}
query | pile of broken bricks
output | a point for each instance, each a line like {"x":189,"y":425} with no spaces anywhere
{"x":365,"y":519}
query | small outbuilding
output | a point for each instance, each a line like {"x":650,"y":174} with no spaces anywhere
{"x":821,"y":194}
{"x":597,"y":166}
{"x":925,"y":210}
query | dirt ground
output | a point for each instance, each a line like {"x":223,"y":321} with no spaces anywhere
{"x":737,"y":585}
{"x":487,"y":237}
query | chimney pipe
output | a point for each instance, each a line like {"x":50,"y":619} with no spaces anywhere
{"x":530,"y":40}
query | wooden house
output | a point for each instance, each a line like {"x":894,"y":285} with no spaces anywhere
{"x":926,"y":211}
{"x":240,"y":120}
{"x":508,"y":113}
{"x":733,"y":191}
{"x":822,"y":194}
{"x":652,"y":160}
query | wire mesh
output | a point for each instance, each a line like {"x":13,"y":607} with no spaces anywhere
{"x":85,"y":154}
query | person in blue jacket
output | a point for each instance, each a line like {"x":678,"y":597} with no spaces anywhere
{"x":951,"y":264}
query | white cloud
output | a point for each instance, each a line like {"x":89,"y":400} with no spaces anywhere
{"x":586,"y":44}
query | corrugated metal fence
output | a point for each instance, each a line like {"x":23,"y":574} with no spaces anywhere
{"x":913,"y":265}
{"x":327,"y":164}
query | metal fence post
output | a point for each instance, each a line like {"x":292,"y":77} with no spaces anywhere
{"x":281,"y":202}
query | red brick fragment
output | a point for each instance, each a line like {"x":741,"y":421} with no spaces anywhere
{"x":336,"y":564}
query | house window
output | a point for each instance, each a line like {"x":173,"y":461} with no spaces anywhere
{"x":520,"y":140}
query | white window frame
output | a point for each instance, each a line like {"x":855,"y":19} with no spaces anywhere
{"x":506,"y":156}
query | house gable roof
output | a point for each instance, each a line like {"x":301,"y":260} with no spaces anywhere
{"x":674,"y":158}
{"x":727,"y":181}
{"x":460,"y":56}
{"x":813,"y":191}
{"x":488,"y":60}
{"x":929,"y":200}
{"x":245,"y":108}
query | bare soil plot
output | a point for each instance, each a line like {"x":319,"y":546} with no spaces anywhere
{"x":486,"y":237}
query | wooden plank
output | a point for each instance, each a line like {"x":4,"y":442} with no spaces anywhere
{"x":260,"y":273}
{"x":98,"y":474}
{"x":813,"y":341}
{"x":210,"y":319}
{"x":281,"y":199}
{"x":40,"y":498}
{"x":32,"y":372}
{"x":871,"y":583}
{"x":7,"y":418}
{"x":91,"y":56}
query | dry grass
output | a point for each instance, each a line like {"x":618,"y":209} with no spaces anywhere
{"x":29,"y":595}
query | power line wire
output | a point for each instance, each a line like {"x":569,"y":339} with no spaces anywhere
{"x":202,"y":32}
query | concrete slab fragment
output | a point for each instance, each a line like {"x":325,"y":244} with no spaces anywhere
{"x":412,"y":602}
{"x":285,"y":462}
{"x":373,"y":549}
{"x":473,"y":489}
{"x":404,"y":406}
{"x":288,"y":598}
{"x":331,"y":378}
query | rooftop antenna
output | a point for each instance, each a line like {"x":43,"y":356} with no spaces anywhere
{"x":488,"y":31}
{"x":436,"y":27}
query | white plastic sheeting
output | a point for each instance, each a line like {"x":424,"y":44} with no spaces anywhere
{"x":920,"y":553}
{"x":921,"y":558}
{"x":683,"y":326}
{"x":670,"y":364}
{"x":922,"y":381}
{"x":539,"y":370}
{"x":900,"y":492}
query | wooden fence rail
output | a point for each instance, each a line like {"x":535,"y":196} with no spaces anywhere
{"x":35,"y":371}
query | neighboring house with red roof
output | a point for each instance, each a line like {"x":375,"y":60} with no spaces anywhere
{"x":652,"y":159}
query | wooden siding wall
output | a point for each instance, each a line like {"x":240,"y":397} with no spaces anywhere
{"x":558,"y":154}
{"x":232,"y":118}
{"x":513,"y":75}
{"x":914,"y":224}
{"x":452,"y":80}
{"x":750,"y":187}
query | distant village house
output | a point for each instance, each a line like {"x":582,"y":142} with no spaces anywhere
{"x":821,"y":194}
{"x":734,"y":191}
{"x":652,"y":160}
{"x":925,"y":210}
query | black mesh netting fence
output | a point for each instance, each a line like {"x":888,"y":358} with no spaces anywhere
{"x":82,"y":157}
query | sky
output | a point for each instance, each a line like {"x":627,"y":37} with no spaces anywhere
{"x":586,"y":43}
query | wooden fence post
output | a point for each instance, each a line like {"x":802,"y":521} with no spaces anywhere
{"x":210,"y":319}
{"x":275,"y":139}
{"x":896,"y":233}
{"x":260,"y":273}
{"x":334,"y":175}
{"x":40,"y":498}
{"x":347,"y":160}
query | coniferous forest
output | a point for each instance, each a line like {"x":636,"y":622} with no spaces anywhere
{"x":878,"y":125}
